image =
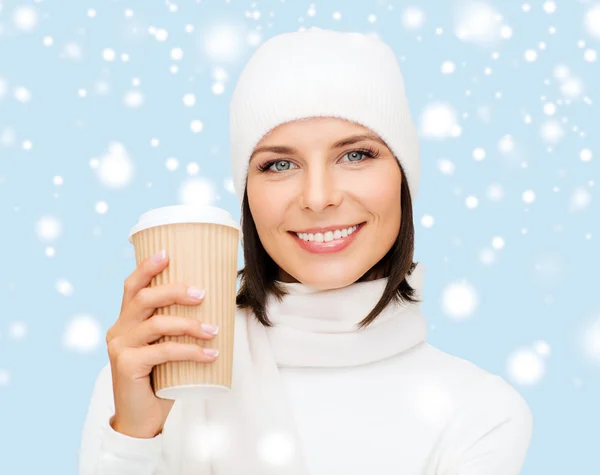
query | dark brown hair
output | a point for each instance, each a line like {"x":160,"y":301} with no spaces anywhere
{"x":260,"y":272}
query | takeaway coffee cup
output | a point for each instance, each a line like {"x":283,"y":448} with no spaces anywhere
{"x":202,"y":245}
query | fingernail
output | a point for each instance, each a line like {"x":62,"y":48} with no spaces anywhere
{"x":195,"y":293}
{"x":211,"y":352}
{"x":159,"y":256}
{"x":214,"y":329}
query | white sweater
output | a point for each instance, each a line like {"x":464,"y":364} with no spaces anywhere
{"x":419,"y":412}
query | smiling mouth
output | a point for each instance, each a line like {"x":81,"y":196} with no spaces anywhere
{"x":329,"y":243}
{"x":329,"y":240}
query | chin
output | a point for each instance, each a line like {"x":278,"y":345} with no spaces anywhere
{"x":329,"y":280}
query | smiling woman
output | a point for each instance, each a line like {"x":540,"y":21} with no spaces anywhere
{"x":332,"y":373}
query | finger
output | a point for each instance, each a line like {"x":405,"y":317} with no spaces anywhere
{"x":143,"y":275}
{"x":145,"y":357}
{"x":148,"y":299}
{"x":167,"y":325}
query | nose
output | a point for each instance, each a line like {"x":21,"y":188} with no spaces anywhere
{"x":319,"y":190}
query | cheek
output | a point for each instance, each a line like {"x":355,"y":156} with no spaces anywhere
{"x":381,"y":192}
{"x":265,"y":209}
{"x":387,"y":208}
{"x":383,"y":201}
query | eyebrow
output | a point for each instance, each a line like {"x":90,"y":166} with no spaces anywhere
{"x":282,"y":149}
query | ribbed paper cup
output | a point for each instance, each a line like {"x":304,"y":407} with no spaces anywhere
{"x":202,"y":245}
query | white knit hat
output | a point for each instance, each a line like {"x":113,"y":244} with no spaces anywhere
{"x":322,"y":73}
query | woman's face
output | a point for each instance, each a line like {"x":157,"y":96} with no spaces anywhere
{"x":319,"y":174}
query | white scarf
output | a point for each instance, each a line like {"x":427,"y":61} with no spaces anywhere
{"x":250,"y":431}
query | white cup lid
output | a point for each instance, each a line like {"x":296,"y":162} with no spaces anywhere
{"x":183,"y":214}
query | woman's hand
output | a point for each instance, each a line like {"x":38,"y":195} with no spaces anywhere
{"x":138,"y":411}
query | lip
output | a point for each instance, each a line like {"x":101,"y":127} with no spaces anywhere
{"x":327,"y":247}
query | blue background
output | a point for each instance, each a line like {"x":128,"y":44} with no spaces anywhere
{"x":541,"y":286}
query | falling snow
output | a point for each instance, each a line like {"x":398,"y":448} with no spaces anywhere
{"x":427,"y":221}
{"x":64,"y":287}
{"x":459,"y":300}
{"x":413,"y":18}
{"x":446,"y":166}
{"x":477,"y":22}
{"x":526,"y":366}
{"x":592,"y":20}
{"x":82,"y":334}
{"x":4,"y":377}
{"x":18,"y":331}
{"x":479,"y":154}
{"x":448,"y":67}
{"x":196,"y":126}
{"x":591,"y":341}
{"x":115,"y":169}
{"x":439,"y":121}
{"x":48,"y":228}
{"x":172,"y":164}
{"x":197,"y":191}
{"x":25,"y":18}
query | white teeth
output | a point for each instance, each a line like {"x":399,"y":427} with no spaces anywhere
{"x":328,"y":236}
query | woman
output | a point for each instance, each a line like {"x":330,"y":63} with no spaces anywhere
{"x":332,"y":372}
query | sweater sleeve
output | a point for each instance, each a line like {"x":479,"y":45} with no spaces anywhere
{"x":489,"y":434}
{"x":103,"y":450}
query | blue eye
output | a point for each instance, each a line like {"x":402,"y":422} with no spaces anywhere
{"x":354,"y":156}
{"x":268,"y":165}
